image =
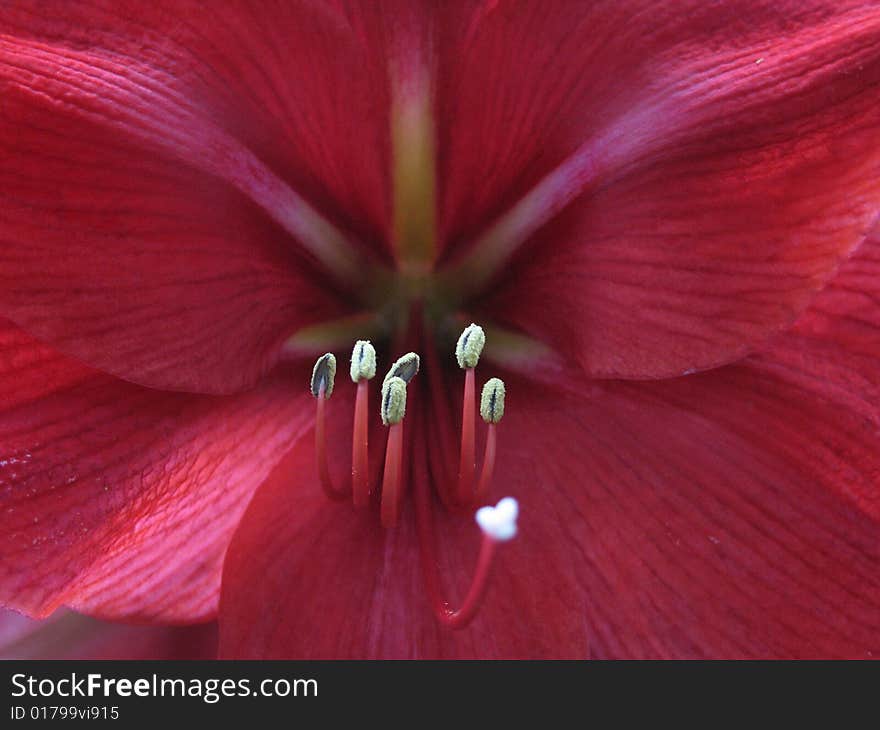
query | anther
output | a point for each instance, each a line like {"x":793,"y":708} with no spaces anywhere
{"x":470,"y":346}
{"x":492,"y":401}
{"x":363,"y":361}
{"x":393,"y":401}
{"x":323,"y":376}
{"x":405,"y":368}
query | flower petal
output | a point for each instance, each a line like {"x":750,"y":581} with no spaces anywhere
{"x":846,"y":315}
{"x":149,"y":221}
{"x":117,"y":500}
{"x":66,"y":635}
{"x":731,"y":514}
{"x":305,"y":578}
{"x":678,"y":181}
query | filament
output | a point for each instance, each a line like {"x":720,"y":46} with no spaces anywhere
{"x":329,"y":488}
{"x":391,"y":495}
{"x":466,"y":465}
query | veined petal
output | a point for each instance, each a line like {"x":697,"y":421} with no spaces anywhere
{"x":181,"y":291}
{"x":277,"y":77}
{"x":846,"y":315}
{"x":305,"y":578}
{"x":158,"y":172}
{"x":730,"y":514}
{"x":671,"y":184}
{"x":118,"y":500}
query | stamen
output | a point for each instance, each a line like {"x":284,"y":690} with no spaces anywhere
{"x":363,"y":369}
{"x":467,"y":351}
{"x":393,"y":411}
{"x":497,"y":523}
{"x":323,"y":375}
{"x":492,"y":410}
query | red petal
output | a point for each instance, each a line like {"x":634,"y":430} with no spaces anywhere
{"x":730,"y":514}
{"x":67,"y":635}
{"x":278,"y":78}
{"x":139,"y":146}
{"x":305,"y":578}
{"x":118,"y":500}
{"x":845,"y":315}
{"x":722,"y":160}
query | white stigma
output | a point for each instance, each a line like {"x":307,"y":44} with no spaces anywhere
{"x":499,"y":522}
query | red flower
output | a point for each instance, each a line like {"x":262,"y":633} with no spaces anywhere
{"x":622,"y":194}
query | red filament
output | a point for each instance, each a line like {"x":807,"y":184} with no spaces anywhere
{"x":360,"y":479}
{"x":488,"y":465}
{"x":360,"y":476}
{"x":391,"y":481}
{"x":466,"y":466}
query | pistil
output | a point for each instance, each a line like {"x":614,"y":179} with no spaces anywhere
{"x":498,"y":525}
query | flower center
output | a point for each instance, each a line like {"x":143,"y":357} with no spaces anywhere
{"x":498,"y":524}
